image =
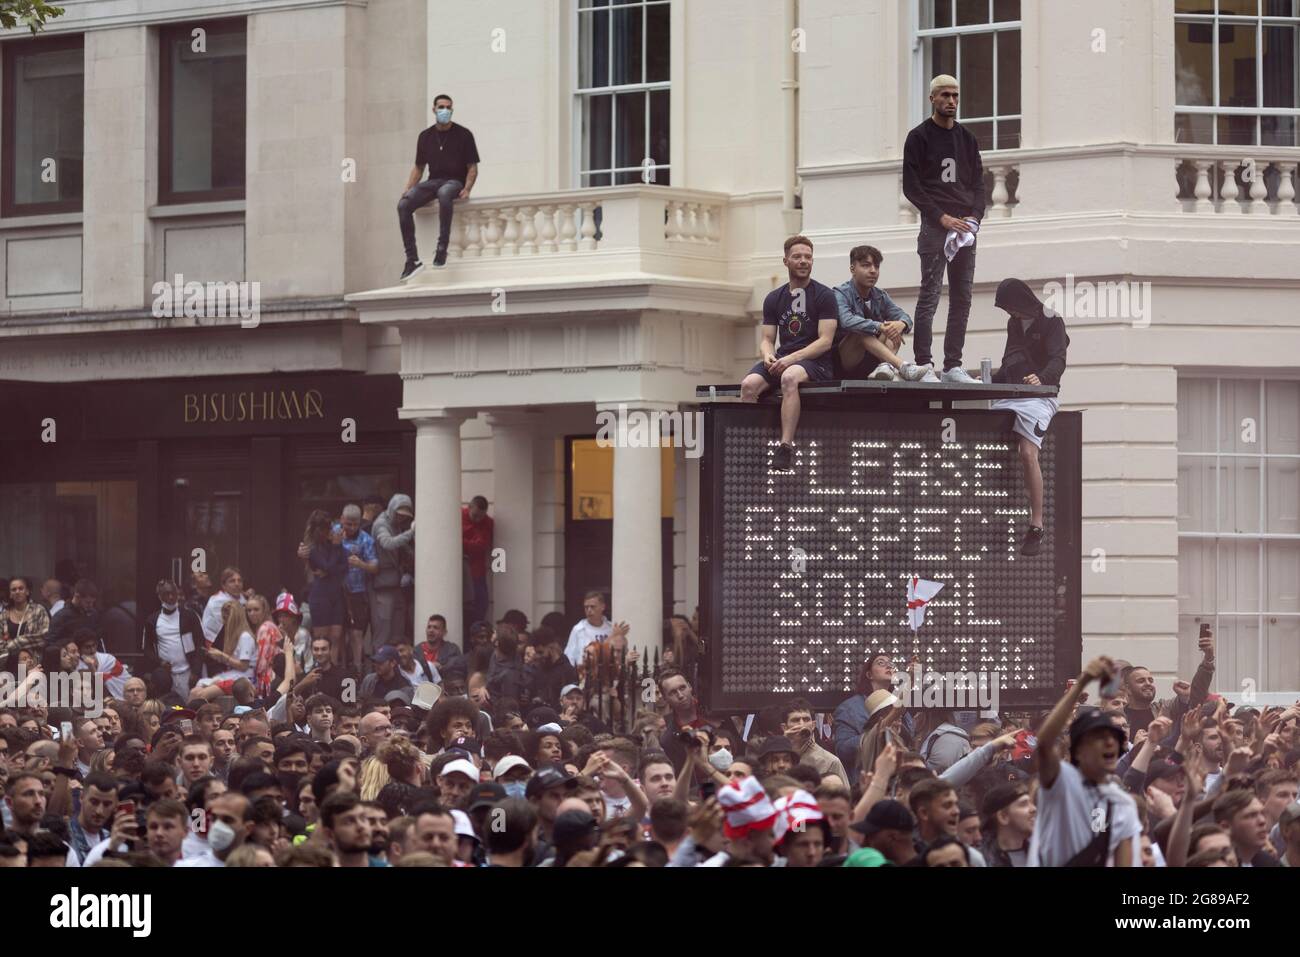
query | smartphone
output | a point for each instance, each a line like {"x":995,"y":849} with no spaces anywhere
{"x":65,"y":730}
{"x":1205,"y":629}
{"x":708,"y":789}
{"x":187,"y":726}
{"x":126,"y":807}
{"x":1112,"y":685}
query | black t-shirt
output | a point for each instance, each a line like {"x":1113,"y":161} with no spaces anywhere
{"x":796,"y":317}
{"x":331,"y":682}
{"x":448,"y":154}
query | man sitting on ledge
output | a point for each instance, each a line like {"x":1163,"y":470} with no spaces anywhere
{"x":1035,"y":355}
{"x":803,"y":310}
{"x":871,"y":324}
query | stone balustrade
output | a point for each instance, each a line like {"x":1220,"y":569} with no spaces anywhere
{"x":1236,"y":181}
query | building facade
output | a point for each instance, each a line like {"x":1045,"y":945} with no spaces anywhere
{"x":642,"y":163}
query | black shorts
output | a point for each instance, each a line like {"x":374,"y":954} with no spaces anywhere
{"x":819,"y":370}
{"x":358,"y":609}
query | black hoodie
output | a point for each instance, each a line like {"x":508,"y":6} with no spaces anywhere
{"x":1038,"y":349}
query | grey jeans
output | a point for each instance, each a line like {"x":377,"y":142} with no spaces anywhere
{"x":388,"y":616}
{"x":445,"y":192}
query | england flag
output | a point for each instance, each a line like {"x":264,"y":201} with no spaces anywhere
{"x":919,"y":593}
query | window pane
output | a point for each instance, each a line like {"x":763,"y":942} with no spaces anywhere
{"x":49,"y":111}
{"x":1237,"y":654}
{"x":970,"y":12}
{"x":1283,"y":592}
{"x":595,"y":179}
{"x":1278,"y":131}
{"x":1004,"y":10}
{"x":596,"y":126}
{"x":1281,"y":8}
{"x":659,"y":127}
{"x":593,"y":49}
{"x":983,"y":133}
{"x":629,"y":113}
{"x":207,"y":113}
{"x":1236,"y":131}
{"x":1282,"y":491}
{"x":1195,"y":494}
{"x":1237,"y":65}
{"x":943,"y":59}
{"x":1280,"y":66}
{"x":1239,"y":573}
{"x":1008,"y":72}
{"x":1193,"y":128}
{"x":936,"y":13}
{"x":1193,"y":66}
{"x":1193,"y":6}
{"x":1195,"y":576}
{"x":1196,"y":415}
{"x":1282,"y":423}
{"x":1239,"y":495}
{"x":1008,"y":138}
{"x":628,"y":66}
{"x":1281,"y":663}
{"x":658,"y":47}
{"x":976,"y":75}
{"x":1239,"y":418}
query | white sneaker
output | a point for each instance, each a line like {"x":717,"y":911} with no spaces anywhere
{"x":884,"y":372}
{"x":929,"y":374}
{"x":912,"y":372}
{"x":960,"y":376}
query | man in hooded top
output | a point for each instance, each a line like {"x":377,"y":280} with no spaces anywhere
{"x":1035,"y":355}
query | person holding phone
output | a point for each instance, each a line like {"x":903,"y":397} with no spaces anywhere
{"x":1140,"y":686}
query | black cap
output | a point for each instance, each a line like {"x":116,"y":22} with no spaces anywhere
{"x":470,"y":747}
{"x":778,"y":744}
{"x":485,"y":794}
{"x":1092,"y":719}
{"x":999,"y":796}
{"x":547,"y":778}
{"x":572,"y":825}
{"x":885,"y":816}
{"x":1162,"y":768}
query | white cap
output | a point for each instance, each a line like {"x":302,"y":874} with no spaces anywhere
{"x":549,"y":728}
{"x":567,"y":688}
{"x":461,"y":766}
{"x":463,"y":827}
{"x":508,"y":764}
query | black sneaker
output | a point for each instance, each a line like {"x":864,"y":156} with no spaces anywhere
{"x":411,"y":267}
{"x":783,"y":460}
{"x":1033,"y":541}
{"x":441,"y":258}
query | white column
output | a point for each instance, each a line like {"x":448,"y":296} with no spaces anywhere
{"x":637,"y":573}
{"x":513,"y":506}
{"x":438,"y":572}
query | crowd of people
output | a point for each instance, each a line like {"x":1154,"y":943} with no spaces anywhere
{"x":249,"y":740}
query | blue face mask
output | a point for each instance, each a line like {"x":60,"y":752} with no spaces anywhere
{"x":515,"y":789}
{"x":443,"y":114}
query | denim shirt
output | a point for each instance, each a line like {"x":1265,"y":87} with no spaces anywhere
{"x":865,"y":315}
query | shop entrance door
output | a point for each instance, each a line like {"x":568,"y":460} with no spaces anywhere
{"x":209,"y":522}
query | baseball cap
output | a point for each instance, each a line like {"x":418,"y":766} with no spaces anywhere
{"x":386,"y":653}
{"x":469,"y":747}
{"x":460,"y":766}
{"x":548,"y":778}
{"x":463,"y":826}
{"x":1093,"y":719}
{"x":865,"y":857}
{"x":177,"y":714}
{"x":508,"y":764}
{"x":572,"y":825}
{"x":998,"y":797}
{"x":485,"y":795}
{"x":549,"y":728}
{"x":400,"y":694}
{"x":567,"y":688}
{"x":517,"y":618}
{"x":885,"y":816}
{"x":1162,"y":768}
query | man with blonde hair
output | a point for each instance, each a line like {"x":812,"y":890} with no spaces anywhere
{"x":943,"y":177}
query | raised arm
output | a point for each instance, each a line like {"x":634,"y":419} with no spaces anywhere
{"x":1049,"y":765}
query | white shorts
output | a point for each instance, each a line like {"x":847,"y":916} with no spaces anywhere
{"x":1033,"y":416}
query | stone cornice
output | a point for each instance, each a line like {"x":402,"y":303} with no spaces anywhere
{"x":83,"y":15}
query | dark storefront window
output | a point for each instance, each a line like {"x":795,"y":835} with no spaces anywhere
{"x":71,"y":530}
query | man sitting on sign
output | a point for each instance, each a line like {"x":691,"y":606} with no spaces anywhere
{"x":1035,"y":355}
{"x":804,"y":312}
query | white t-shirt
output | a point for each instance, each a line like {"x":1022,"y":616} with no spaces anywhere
{"x":172,"y":645}
{"x":416,"y":675}
{"x":583,"y":634}
{"x":245,"y":650}
{"x":212,"y":615}
{"x":1064,"y":825}
{"x":616,"y":807}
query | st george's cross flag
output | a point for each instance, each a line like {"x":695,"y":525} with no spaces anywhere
{"x":919,"y":593}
